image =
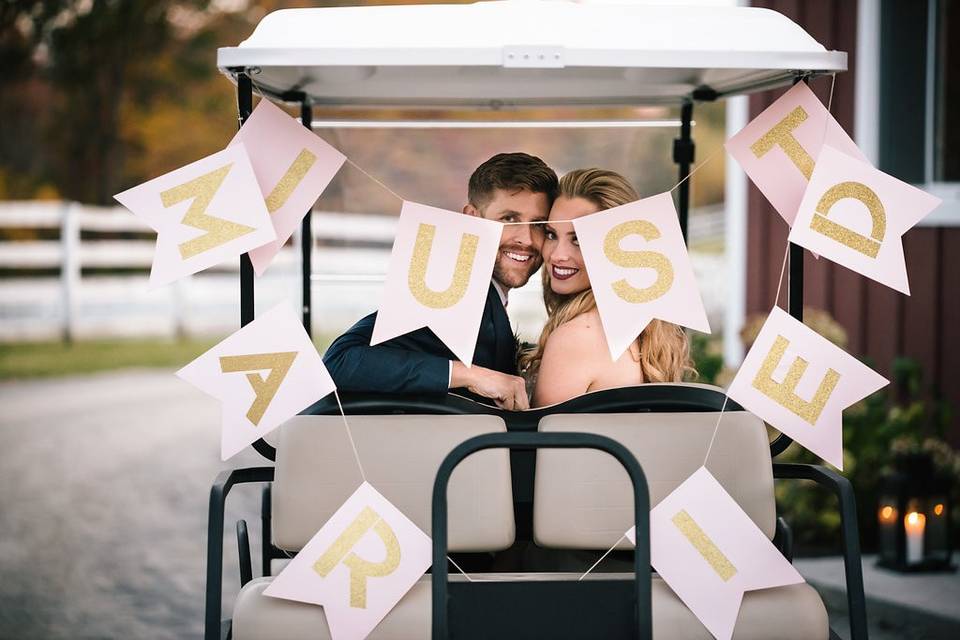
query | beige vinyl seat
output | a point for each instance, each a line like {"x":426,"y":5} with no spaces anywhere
{"x":582,"y":500}
{"x":316,"y":472}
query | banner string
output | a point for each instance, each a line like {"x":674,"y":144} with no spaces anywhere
{"x":258,"y":91}
{"x":356,"y":456}
{"x":608,"y":552}
{"x":713,"y":155}
{"x":671,"y":190}
{"x":469,"y":579}
{"x":346,"y":425}
{"x":689,"y":175}
{"x":388,"y":189}
{"x":783,"y":269}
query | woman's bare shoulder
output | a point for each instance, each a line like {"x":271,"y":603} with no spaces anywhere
{"x":582,"y":333}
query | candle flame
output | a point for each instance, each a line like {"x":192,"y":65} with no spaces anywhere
{"x":915,"y":519}
{"x":887,"y":514}
{"x":938,"y":509}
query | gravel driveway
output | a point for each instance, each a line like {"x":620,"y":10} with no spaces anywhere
{"x":103,"y":506}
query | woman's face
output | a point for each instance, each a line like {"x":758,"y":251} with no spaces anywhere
{"x":561,"y":250}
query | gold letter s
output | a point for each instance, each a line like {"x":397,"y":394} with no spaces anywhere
{"x":858,"y":191}
{"x":417,"y":276}
{"x":361,"y":569}
{"x":638,"y":259}
{"x":784,"y":393}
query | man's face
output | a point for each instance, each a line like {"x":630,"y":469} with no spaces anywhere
{"x":519,"y":254}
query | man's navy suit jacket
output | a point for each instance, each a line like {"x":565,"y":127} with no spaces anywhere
{"x":417,"y":362}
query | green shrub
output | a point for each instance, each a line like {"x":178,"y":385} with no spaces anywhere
{"x":902,"y":418}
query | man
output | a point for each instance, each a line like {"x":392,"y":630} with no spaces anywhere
{"x":509,"y":187}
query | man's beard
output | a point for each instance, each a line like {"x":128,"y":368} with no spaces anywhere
{"x":513,"y":278}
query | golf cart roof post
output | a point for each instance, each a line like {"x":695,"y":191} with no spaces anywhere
{"x":521,"y":53}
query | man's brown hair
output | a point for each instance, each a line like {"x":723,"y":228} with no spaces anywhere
{"x":510,"y":171}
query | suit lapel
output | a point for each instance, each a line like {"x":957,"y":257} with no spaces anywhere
{"x":505,"y":355}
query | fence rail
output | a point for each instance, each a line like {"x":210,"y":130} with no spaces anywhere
{"x":349,"y":263}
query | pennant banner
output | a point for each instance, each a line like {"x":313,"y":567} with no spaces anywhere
{"x":856,"y":215}
{"x":800,"y":383}
{"x":639,"y":269}
{"x":438,"y":277}
{"x":709,"y":551}
{"x":293,"y":166}
{"x":358,"y":565}
{"x":204,"y":213}
{"x":263,"y":374}
{"x":779,"y":148}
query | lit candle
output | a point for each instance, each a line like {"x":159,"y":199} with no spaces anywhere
{"x":914,"y":524}
{"x":888,"y":514}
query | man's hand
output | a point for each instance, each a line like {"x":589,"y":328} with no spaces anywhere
{"x":509,"y":392}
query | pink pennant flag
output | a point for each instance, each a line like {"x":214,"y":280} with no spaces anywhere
{"x":438,"y":277}
{"x":205,"y":213}
{"x":799,"y":382}
{"x":263,"y":374}
{"x":358,"y":565}
{"x":856,"y":215}
{"x":779,"y":148}
{"x":639,"y":269}
{"x":293,"y":166}
{"x":709,"y":551}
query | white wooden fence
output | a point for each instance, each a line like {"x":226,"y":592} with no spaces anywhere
{"x":350,"y":258}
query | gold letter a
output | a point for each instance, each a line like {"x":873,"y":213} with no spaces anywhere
{"x":264,"y":388}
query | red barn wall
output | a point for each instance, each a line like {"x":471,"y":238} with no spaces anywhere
{"x":881,"y":323}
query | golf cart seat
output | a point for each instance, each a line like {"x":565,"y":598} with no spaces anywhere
{"x":316,"y":472}
{"x":583,"y":500}
{"x":581,"y":504}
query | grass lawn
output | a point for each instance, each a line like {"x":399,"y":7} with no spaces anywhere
{"x":45,"y":359}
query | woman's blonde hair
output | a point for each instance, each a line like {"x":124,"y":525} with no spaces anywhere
{"x":664,"y":351}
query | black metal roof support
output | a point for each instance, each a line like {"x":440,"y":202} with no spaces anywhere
{"x":245,"y":108}
{"x":683,"y":152}
{"x":247,"y":308}
{"x":795,"y":280}
{"x":306,"y":237}
{"x":794,"y":304}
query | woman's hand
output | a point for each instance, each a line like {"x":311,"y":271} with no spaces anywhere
{"x":509,"y":392}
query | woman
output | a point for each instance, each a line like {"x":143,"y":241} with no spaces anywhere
{"x":571,"y":357}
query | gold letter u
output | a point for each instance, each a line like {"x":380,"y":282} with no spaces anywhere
{"x":417,"y":275}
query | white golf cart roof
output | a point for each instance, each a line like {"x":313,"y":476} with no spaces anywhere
{"x":524,"y":53}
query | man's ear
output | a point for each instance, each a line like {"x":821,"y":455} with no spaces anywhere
{"x":471,"y":210}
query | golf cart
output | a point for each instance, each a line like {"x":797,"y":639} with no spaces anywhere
{"x":508,"y":56}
